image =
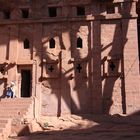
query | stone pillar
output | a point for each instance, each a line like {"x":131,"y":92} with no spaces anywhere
{"x":96,"y":62}
{"x":37,"y":56}
{"x":131,"y":65}
{"x":65,"y":90}
{"x":13,"y":53}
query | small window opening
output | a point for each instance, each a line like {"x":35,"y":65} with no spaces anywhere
{"x":52,"y":11}
{"x":52,"y":43}
{"x":80,"y":11}
{"x":2,"y":69}
{"x":79,"y":43}
{"x":110,"y":9}
{"x":25,"y":13}
{"x":79,"y":68}
{"x":26,"y":44}
{"x":112,"y":66}
{"x":6,"y":14}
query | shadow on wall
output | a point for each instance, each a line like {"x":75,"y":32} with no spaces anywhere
{"x":76,"y":100}
{"x":74,"y":97}
{"x":113,"y":77}
{"x":115,"y":67}
{"x":60,"y":82}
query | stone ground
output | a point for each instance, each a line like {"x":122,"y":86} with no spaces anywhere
{"x":86,"y":128}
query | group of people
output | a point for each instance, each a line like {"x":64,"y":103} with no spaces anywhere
{"x":11,"y":90}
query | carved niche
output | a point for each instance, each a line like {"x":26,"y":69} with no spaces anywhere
{"x":51,"y":69}
{"x":80,"y":67}
{"x":112,"y":66}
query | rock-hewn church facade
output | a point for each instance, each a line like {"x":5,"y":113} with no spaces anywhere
{"x":71,"y":56}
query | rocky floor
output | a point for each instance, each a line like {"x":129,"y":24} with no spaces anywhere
{"x":86,"y":128}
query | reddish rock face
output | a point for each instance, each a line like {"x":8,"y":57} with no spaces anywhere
{"x":76,"y":57}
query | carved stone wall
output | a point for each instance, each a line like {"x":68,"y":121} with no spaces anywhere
{"x":82,"y":55}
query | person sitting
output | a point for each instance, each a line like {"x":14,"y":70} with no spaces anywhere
{"x":9,"y":92}
{"x":13,"y":88}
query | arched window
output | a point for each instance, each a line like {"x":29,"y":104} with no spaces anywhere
{"x":26,"y":44}
{"x":52,"y":43}
{"x":79,"y":43}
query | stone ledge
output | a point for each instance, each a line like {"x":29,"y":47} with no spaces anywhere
{"x":67,"y":19}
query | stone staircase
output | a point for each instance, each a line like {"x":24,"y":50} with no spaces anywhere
{"x":13,"y":111}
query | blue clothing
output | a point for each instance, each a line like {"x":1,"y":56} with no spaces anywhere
{"x":9,"y":93}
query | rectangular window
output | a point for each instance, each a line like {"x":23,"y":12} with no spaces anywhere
{"x":52,"y":11}
{"x":6,"y":14}
{"x":80,"y":10}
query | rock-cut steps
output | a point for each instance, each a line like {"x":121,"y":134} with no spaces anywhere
{"x":14,"y":109}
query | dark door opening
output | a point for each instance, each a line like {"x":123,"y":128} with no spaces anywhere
{"x":25,"y":83}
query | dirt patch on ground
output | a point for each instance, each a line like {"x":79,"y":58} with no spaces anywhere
{"x":83,"y":128}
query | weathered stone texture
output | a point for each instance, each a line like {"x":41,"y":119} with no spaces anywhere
{"x":100,"y":76}
{"x":4,"y":41}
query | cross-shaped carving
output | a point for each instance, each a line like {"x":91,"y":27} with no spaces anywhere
{"x":79,"y":67}
{"x":112,"y":66}
{"x":51,"y":68}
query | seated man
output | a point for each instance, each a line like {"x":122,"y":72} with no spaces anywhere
{"x":9,"y":92}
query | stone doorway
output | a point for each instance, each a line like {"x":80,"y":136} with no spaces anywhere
{"x":25,"y":81}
